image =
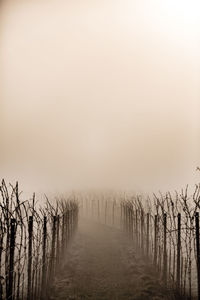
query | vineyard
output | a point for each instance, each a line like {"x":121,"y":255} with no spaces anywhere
{"x":33,"y":241}
{"x":163,"y":229}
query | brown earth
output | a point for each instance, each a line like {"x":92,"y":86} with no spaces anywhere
{"x":101,"y":264}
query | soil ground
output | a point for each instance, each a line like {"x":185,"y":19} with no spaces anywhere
{"x":101,"y":264}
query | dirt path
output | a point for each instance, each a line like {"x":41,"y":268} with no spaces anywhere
{"x":101,"y":265}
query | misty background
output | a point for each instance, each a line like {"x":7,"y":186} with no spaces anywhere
{"x":100,"y":93}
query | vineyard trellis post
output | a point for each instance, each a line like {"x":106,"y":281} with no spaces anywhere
{"x":165,"y":247}
{"x":131,"y":212}
{"x":142,"y":231}
{"x":147,"y":240}
{"x":92,"y":206}
{"x":63,"y":233}
{"x":98,"y":210}
{"x":11,"y":262}
{"x":178,"y":251}
{"x":58,"y":242}
{"x":23,"y":286}
{"x":106,"y":211}
{"x":155,"y":239}
{"x":136,"y":226}
{"x":71,"y":222}
{"x":129,"y":221}
{"x":198,"y":253}
{"x":30,"y":242}
{"x":68,"y":226}
{"x":43,"y":290}
{"x":53,"y":243}
{"x":113,"y":212}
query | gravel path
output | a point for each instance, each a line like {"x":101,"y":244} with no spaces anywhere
{"x":102,"y":265}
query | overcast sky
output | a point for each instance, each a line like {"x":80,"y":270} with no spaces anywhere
{"x":100,"y":93}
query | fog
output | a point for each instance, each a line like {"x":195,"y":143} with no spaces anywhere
{"x":100,"y":94}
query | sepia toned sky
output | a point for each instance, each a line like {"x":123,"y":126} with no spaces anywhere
{"x":100,"y":93}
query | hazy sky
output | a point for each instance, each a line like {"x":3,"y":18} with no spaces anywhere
{"x":100,"y":92}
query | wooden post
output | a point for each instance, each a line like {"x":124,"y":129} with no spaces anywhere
{"x":113,"y":213}
{"x":43,"y":289}
{"x":174,"y":265}
{"x":131,"y":221}
{"x":53,"y":243}
{"x":77,"y":217}
{"x":147,"y":241}
{"x":155,"y":239}
{"x":33,"y":282}
{"x":14,"y":286}
{"x":22,"y":293}
{"x":11,"y":262}
{"x":122,"y":216}
{"x":136,"y":227}
{"x":71,"y":220}
{"x":92,"y":208}
{"x":142,"y":231}
{"x":106,"y":211}
{"x":39,"y":282}
{"x":63,"y":234}
{"x":30,"y":242}
{"x":98,"y":210}
{"x":165,"y":248}
{"x":170,"y":259}
{"x":182,"y":272}
{"x":126,"y":218}
{"x":58,"y":242}
{"x":178,"y":252}
{"x":159,"y":257}
{"x":198,"y":253}
{"x":68,"y":226}
{"x":87,"y":212}
{"x":121,"y":222}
